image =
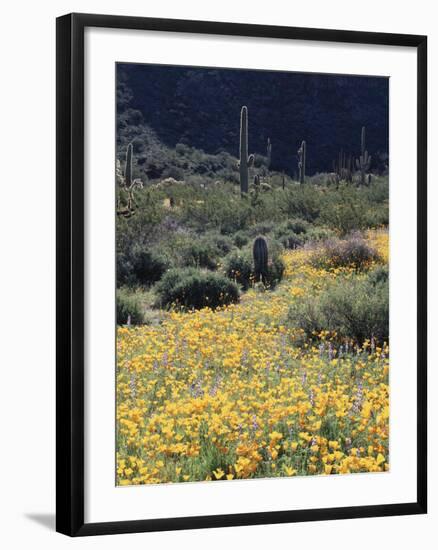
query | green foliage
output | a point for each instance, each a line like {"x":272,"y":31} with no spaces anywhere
{"x":345,"y":210}
{"x":319,"y":233}
{"x":190,"y":288}
{"x":241,"y":239}
{"x":238,"y":267}
{"x":351,"y":252}
{"x":140,"y":266}
{"x":302,"y":202}
{"x":274,"y":273}
{"x":200,"y":253}
{"x":356,"y":308}
{"x":129,"y":309}
{"x":292,"y":233}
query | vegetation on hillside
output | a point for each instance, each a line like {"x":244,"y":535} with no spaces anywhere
{"x":252,"y":307}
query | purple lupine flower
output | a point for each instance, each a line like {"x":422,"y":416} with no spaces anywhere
{"x":321,"y":349}
{"x":330,"y":351}
{"x":358,"y":400}
{"x":132,"y":386}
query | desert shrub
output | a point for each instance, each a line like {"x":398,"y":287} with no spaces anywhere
{"x":219,"y":209}
{"x":190,"y":288}
{"x":148,"y":266}
{"x":344,"y":210}
{"x":275,"y":272}
{"x":290,"y":240}
{"x":379,"y":275}
{"x":261,"y":228}
{"x":128,"y":306}
{"x":357,"y":308}
{"x":292,"y":233}
{"x":241,"y":239}
{"x":199,"y":253}
{"x":317,"y":233}
{"x":300,"y":201}
{"x":223,"y":243}
{"x":238,"y":267}
{"x":353,"y":251}
{"x":173,"y":172}
{"x":138,"y":266}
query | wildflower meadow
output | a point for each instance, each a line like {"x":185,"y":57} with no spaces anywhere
{"x":252,"y":251}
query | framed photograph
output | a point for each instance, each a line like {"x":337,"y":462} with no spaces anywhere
{"x":241,"y":274}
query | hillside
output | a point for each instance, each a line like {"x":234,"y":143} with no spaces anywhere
{"x":200,"y":108}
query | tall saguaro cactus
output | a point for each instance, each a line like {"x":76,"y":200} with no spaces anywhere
{"x":128,"y":167}
{"x":269,"y":153}
{"x":245,"y":160}
{"x":302,"y":161}
{"x":126,"y":203}
{"x":363,"y":163}
{"x":260,"y":255}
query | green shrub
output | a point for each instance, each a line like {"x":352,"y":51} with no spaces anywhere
{"x":241,"y":239}
{"x":344,"y":210}
{"x":317,"y":233}
{"x":140,"y":266}
{"x":190,"y":288}
{"x":352,"y":252}
{"x":301,"y":201}
{"x":199,"y":253}
{"x":288,"y":238}
{"x":238,"y":267}
{"x":356,"y":308}
{"x":292,"y":233}
{"x":262,"y":228}
{"x":129,"y":309}
{"x":223,"y":243}
{"x":275,"y":272}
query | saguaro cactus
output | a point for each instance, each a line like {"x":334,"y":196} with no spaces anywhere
{"x":128,"y":167}
{"x":126,"y":203}
{"x":269,"y":152}
{"x":302,"y":161}
{"x":344,"y":166}
{"x":260,"y":255}
{"x":245,"y":161}
{"x":363,"y":163}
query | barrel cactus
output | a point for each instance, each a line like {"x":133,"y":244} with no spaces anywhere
{"x":245,"y":160}
{"x":260,"y":255}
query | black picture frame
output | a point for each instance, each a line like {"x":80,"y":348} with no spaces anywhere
{"x":70,"y":273}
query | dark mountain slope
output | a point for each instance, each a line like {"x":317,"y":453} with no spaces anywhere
{"x":201,"y":108}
